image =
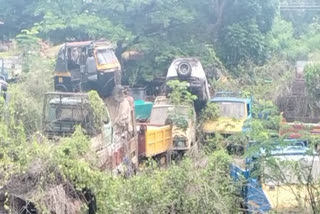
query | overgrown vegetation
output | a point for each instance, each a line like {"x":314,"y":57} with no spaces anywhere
{"x":245,"y":46}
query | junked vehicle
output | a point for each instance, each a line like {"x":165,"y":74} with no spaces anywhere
{"x":276,"y":179}
{"x":88,"y":65}
{"x":155,"y":141}
{"x":233,"y":113}
{"x":181,"y":117}
{"x":191,"y":71}
{"x":63,"y":112}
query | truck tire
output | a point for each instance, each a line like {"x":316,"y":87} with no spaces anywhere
{"x":184,"y":69}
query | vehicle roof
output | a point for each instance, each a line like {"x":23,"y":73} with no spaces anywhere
{"x":230,"y":99}
{"x":290,"y":150}
{"x":69,"y":101}
{"x":88,"y":43}
{"x":163,"y":101}
{"x":295,"y":147}
{"x":78,"y":44}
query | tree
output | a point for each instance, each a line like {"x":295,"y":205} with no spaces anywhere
{"x":243,"y":29}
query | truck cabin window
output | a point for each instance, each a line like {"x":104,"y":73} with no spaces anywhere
{"x":66,"y":113}
{"x":106,"y":56}
{"x":232,"y":109}
{"x":73,"y":57}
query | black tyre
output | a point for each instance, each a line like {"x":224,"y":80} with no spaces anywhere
{"x":184,"y":69}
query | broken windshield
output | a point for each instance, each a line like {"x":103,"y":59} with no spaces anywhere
{"x":66,"y":113}
{"x":106,"y":56}
{"x":232,"y":109}
{"x":160,"y":114}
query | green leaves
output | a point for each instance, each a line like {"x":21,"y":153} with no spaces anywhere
{"x":179,"y":93}
{"x":312,"y":76}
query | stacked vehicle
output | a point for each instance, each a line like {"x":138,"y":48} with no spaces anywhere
{"x":164,"y":130}
{"x":191,"y":71}
{"x":88,"y":65}
{"x":85,"y":66}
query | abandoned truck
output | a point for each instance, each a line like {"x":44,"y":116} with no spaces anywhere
{"x":191,"y":71}
{"x":269,"y":180}
{"x":233,"y":113}
{"x":155,"y":141}
{"x":114,"y":144}
{"x":182,"y":118}
{"x":88,"y":65}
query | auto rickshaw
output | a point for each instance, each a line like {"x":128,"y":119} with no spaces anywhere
{"x":88,"y":65}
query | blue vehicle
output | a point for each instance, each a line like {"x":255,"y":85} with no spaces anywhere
{"x":264,"y":189}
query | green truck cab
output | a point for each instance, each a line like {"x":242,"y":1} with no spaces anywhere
{"x":63,"y":112}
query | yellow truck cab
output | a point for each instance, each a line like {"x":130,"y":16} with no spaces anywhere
{"x":233,"y":112}
{"x":163,"y":111}
{"x":87,"y":65}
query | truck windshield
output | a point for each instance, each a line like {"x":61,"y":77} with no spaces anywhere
{"x":106,"y":56}
{"x":66,"y":113}
{"x":232,"y":109}
{"x":160,"y":114}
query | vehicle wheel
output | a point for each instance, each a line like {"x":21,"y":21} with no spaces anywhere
{"x":61,"y":88}
{"x":184,"y":69}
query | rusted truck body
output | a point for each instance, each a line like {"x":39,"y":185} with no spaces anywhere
{"x":124,"y":149}
{"x":64,"y":111}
